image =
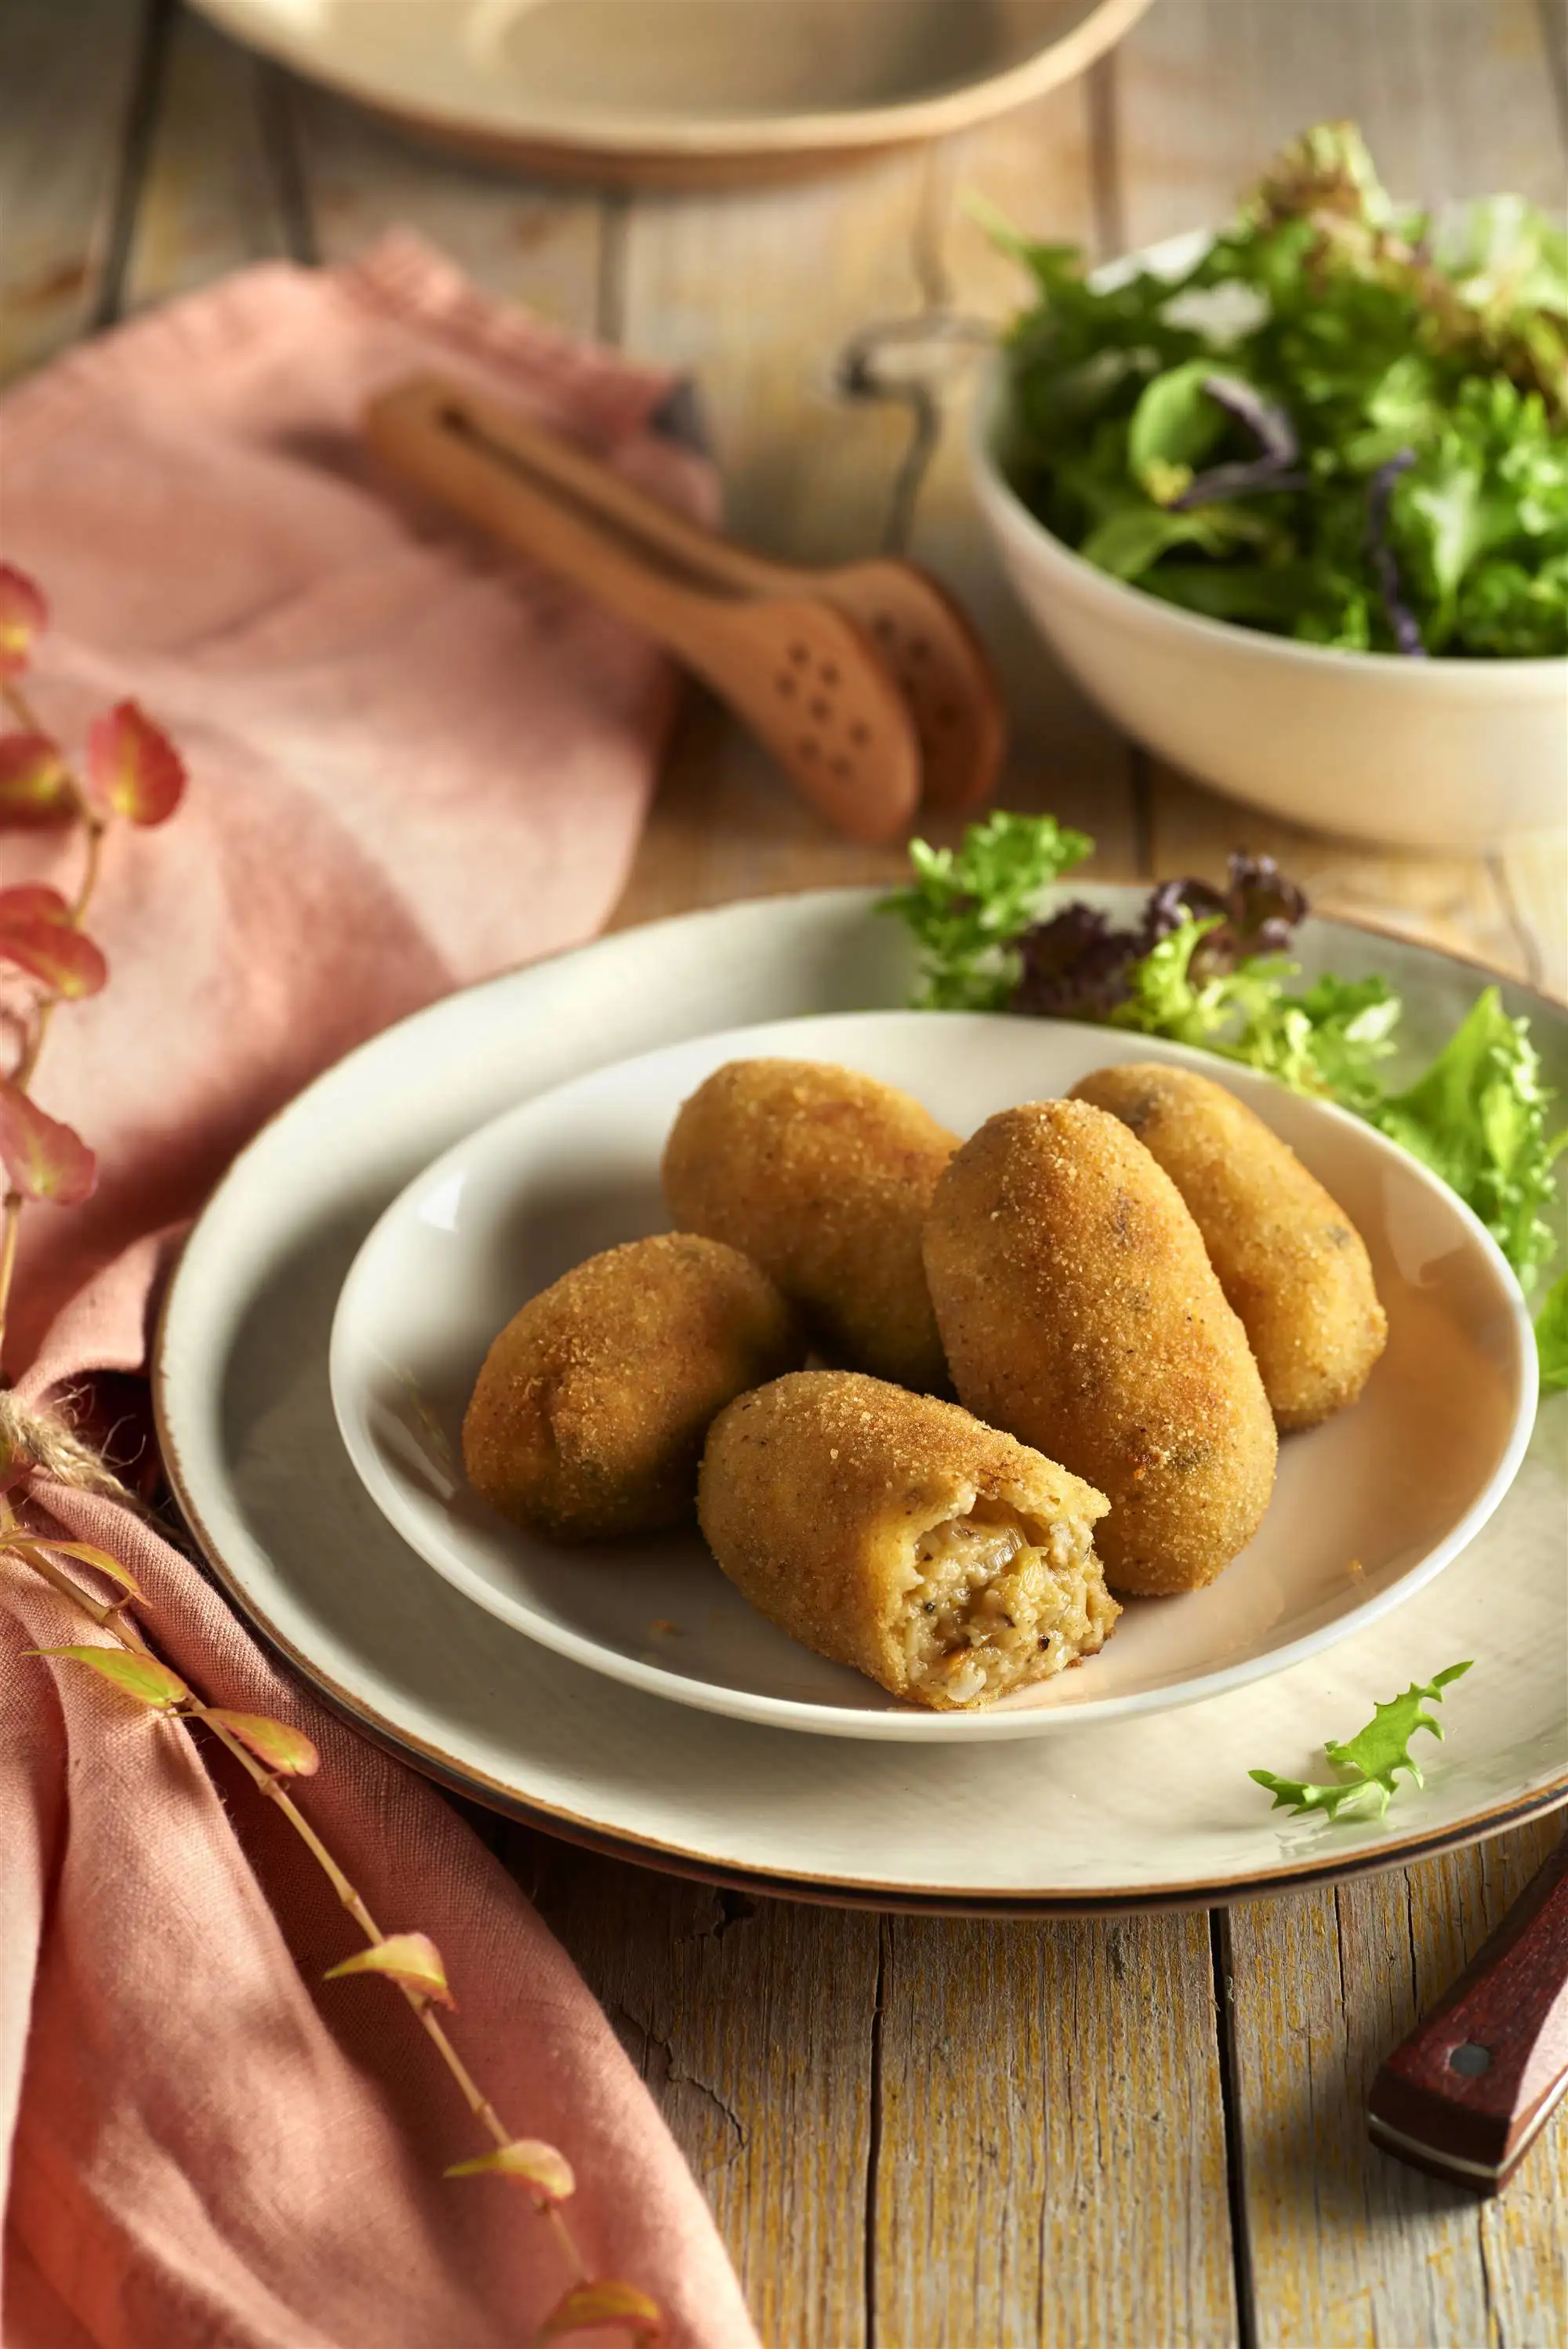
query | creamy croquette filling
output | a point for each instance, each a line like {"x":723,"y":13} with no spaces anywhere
{"x":997,"y":1602}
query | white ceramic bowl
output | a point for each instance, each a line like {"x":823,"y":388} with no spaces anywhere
{"x":1453,"y":754}
{"x":1365,"y":1510}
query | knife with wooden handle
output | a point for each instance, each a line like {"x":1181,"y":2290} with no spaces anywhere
{"x":1476,"y":2082}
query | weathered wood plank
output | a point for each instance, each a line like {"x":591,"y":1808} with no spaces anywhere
{"x":1052,"y":2160}
{"x":751,"y":2022}
{"x":1453,"y":96}
{"x":754,"y":295}
{"x":68,"y":78}
{"x":1348,"y":2246}
{"x":536,"y":245}
{"x":209,"y":199}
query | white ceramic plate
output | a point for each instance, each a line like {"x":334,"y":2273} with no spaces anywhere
{"x":1124,"y":1813}
{"x":1365,"y":1510}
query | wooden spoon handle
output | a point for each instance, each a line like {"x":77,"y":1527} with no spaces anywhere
{"x":710,"y":563}
{"x":418,"y":431}
{"x":801,"y":675}
{"x":1475,"y":2083}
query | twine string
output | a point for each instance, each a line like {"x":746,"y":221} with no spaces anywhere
{"x":47,"y":1439}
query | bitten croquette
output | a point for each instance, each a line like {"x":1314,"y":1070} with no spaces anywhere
{"x":1289,"y":1259}
{"x":589,"y":1416}
{"x":891,"y":1532}
{"x":1079,"y":1311}
{"x":823,"y":1177}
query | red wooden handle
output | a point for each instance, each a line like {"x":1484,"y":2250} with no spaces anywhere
{"x":1475,"y":2083}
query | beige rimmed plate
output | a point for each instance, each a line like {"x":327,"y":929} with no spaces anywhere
{"x":1365,"y":1510}
{"x":682,"y":92}
{"x":1124,"y":1813}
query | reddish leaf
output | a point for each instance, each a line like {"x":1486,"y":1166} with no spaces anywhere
{"x":29,"y":1545}
{"x":133,"y":768}
{"x":36,"y":900}
{"x":282,"y":1748}
{"x":409,"y":1959}
{"x":549,"y":2173}
{"x":35,"y":787}
{"x":141,"y":1676}
{"x":44,"y":1159}
{"x":23,"y":616}
{"x":588,"y":2304}
{"x":38,"y":932}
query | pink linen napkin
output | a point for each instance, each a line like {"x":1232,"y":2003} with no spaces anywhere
{"x":412,"y":763}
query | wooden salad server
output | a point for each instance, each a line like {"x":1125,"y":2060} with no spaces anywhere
{"x":1476,"y":2082}
{"x":808,"y":681}
{"x":925,"y":639}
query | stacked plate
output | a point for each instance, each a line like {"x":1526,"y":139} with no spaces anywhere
{"x":335,"y":1302}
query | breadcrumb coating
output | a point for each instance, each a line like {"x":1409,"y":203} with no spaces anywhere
{"x":589,"y":1416}
{"x":823,"y":1177}
{"x":892,"y":1532}
{"x":1079,"y":1310}
{"x":1289,"y":1258}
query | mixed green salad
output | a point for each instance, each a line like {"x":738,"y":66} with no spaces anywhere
{"x":1345,"y":422}
{"x":1211,"y":966}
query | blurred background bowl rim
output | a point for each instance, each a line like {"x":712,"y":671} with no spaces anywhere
{"x":1096,"y":27}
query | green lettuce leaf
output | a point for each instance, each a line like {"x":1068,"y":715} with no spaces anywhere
{"x":1552,"y":1335}
{"x":1477,"y":1119}
{"x":1374,"y":1756}
{"x":965,"y":908}
{"x":1326,"y":1040}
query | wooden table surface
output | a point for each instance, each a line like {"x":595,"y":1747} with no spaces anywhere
{"x":920,"y":2133}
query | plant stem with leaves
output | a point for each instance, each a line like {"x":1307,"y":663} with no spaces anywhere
{"x":133,"y":772}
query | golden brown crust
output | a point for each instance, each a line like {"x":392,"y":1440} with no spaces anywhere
{"x":589,"y":1416}
{"x":814,"y":1490}
{"x":1079,"y":1309}
{"x":1289,"y":1259}
{"x":823,"y":1177}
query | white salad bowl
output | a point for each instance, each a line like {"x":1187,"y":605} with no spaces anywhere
{"x":1440,"y":754}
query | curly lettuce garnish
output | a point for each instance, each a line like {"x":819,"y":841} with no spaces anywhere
{"x":966,"y":909}
{"x":1211,"y":966}
{"x":1374,"y":1758}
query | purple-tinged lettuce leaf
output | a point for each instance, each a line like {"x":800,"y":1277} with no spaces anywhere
{"x":1381,"y":555}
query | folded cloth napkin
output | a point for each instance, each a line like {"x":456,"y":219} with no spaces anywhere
{"x":412,"y":763}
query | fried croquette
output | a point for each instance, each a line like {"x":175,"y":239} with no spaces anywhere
{"x":1289,"y":1259}
{"x":1079,"y":1311}
{"x":589,"y":1415}
{"x":892,"y":1532}
{"x":823,"y":1177}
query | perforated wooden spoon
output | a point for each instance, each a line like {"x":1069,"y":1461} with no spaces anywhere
{"x":806,"y":678}
{"x":937,"y":661}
